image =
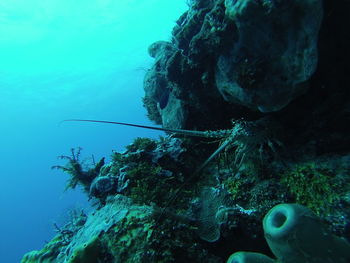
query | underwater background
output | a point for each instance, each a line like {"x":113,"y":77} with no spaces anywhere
{"x":253,"y":96}
{"x":64,"y":59}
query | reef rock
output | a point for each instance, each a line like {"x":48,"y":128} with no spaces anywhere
{"x":274,"y":54}
{"x":235,"y":69}
{"x":229,"y":59}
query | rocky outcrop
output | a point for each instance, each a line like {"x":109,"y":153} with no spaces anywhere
{"x":268,"y":79}
{"x":274,"y":54}
{"x":228,"y":59}
{"x":251,"y":59}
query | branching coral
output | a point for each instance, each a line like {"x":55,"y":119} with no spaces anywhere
{"x":74,"y":168}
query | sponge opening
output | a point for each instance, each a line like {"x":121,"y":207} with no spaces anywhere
{"x":279,"y":219}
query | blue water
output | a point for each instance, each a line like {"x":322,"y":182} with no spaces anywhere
{"x":64,"y":59}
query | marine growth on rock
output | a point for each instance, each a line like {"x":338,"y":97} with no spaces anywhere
{"x":254,"y":99}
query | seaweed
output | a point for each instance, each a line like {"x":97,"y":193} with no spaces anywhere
{"x":75,"y":168}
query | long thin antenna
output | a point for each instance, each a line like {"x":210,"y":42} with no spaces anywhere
{"x":178,"y":131}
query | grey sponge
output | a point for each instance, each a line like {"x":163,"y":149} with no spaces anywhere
{"x":296,"y":235}
{"x":249,"y":257}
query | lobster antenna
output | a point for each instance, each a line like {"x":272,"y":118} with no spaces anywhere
{"x":178,"y":131}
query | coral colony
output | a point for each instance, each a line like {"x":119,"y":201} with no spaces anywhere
{"x":254,"y":168}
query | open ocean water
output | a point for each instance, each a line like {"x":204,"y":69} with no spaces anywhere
{"x":62,"y":59}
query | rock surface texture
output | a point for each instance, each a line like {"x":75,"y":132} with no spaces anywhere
{"x":266,"y":81}
{"x":274,"y":54}
{"x":228,"y":58}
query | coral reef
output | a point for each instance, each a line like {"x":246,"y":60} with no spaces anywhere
{"x":233,"y":54}
{"x":317,"y":185}
{"x":263,"y":86}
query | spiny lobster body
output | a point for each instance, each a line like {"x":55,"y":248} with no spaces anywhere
{"x":244,"y":135}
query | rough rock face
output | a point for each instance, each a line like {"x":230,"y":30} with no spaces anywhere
{"x":228,"y":59}
{"x":296,"y":151}
{"x":274,"y":54}
{"x":157,"y":85}
{"x":180,"y":88}
{"x":101,"y":186}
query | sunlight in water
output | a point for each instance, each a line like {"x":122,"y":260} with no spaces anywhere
{"x":60,"y":59}
{"x":51,"y":48}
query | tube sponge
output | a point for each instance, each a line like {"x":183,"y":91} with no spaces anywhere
{"x":295,"y":235}
{"x":249,"y":257}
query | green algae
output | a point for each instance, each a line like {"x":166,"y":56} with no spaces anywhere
{"x":142,"y":144}
{"x":89,"y":252}
{"x":48,"y":254}
{"x":314,"y":185}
